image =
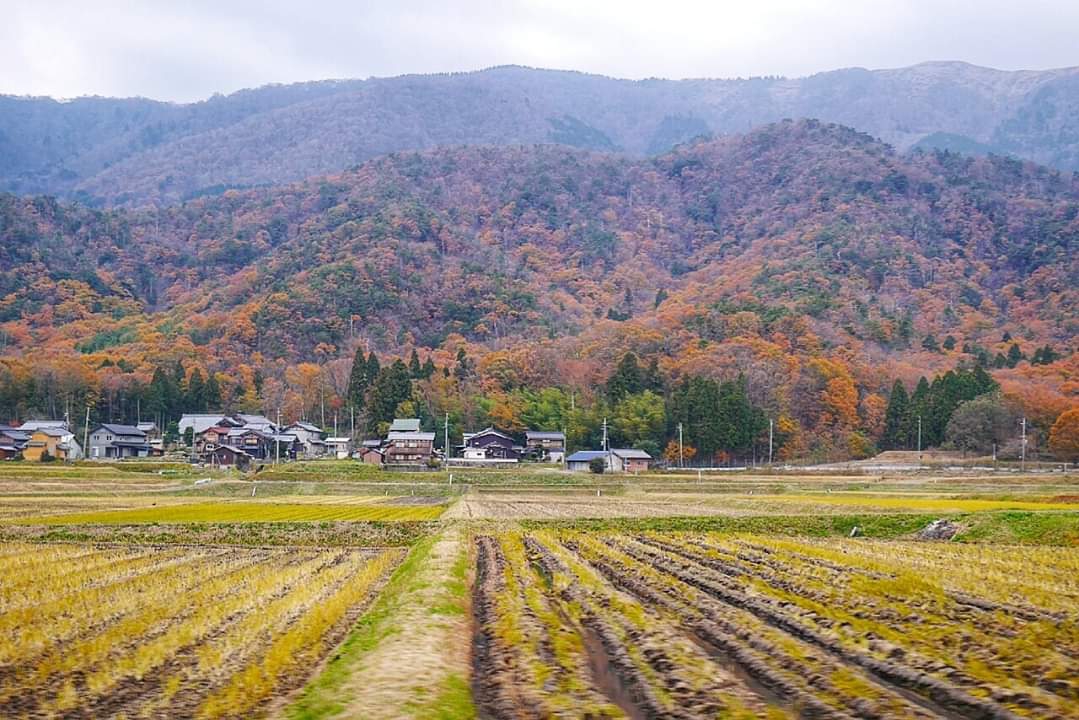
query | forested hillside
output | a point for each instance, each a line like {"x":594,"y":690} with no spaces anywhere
{"x":804,"y":267}
{"x":131,"y":152}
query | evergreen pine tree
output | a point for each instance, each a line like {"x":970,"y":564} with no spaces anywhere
{"x":373,"y":368}
{"x":358,"y":380}
{"x":195,"y":392}
{"x":626,"y":380}
{"x":213,"y":392}
{"x":414,"y":368}
{"x":897,"y":418}
{"x":1015,"y":355}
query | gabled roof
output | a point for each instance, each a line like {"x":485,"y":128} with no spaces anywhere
{"x":405,"y":425}
{"x":374,"y":443}
{"x":58,"y":432}
{"x":305,"y":426}
{"x":254,"y":419}
{"x":631,"y":454}
{"x":284,"y":438}
{"x":486,"y":431}
{"x":338,"y":440}
{"x":121,"y":430}
{"x":32,"y":425}
{"x":586,"y":455}
{"x":429,"y":436}
{"x":146,"y":426}
{"x":200,"y":423}
{"x":544,"y":435}
{"x":240,"y":432}
{"x":16,"y":435}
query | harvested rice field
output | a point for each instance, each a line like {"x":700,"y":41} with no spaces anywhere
{"x":637,"y":504}
{"x":94,"y":631}
{"x":704,"y":625}
{"x":245,"y":512}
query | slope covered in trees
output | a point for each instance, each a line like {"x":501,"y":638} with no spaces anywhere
{"x":792,"y":273}
{"x":135,"y":151}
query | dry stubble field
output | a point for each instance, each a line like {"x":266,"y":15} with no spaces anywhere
{"x":715,"y":625}
{"x":207,"y":602}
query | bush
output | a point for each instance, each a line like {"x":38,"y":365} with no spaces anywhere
{"x":597,"y":465}
{"x":46,"y":457}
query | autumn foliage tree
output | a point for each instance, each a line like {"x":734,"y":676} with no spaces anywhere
{"x":1064,"y":436}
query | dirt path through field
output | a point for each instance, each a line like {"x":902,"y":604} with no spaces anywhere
{"x":410,"y":656}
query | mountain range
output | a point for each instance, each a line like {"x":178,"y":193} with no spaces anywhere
{"x":133,"y":152}
{"x":795,"y":255}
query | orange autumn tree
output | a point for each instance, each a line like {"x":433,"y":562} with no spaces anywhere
{"x":672,"y":456}
{"x":1064,"y":436}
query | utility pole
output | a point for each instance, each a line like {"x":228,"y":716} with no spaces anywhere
{"x":565,"y":447}
{"x":276,"y":444}
{"x":1023,"y":446}
{"x":770,"y":434}
{"x":86,"y":432}
{"x":607,"y":453}
{"x":446,"y":440}
{"x":919,"y":438}
{"x":352,"y":422}
{"x":335,"y":423}
{"x":681,"y":454}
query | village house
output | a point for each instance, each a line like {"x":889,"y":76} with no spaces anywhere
{"x":153,"y":436}
{"x":409,"y":447}
{"x":620,"y":460}
{"x":581,"y":461}
{"x":311,"y":438}
{"x":370,"y":455}
{"x":12,"y":442}
{"x":117,"y":441}
{"x":254,"y":442}
{"x":57,"y":441}
{"x":628,"y":460}
{"x":211,"y":437}
{"x":546,"y":446}
{"x":286,"y":446}
{"x":489,"y":444}
{"x":339,"y":447}
{"x":227,"y":456}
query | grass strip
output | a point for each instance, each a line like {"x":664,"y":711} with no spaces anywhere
{"x":1005,"y":527}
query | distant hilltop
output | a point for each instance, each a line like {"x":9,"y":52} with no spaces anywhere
{"x":106,"y":151}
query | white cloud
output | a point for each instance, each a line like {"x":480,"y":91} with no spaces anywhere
{"x":186,"y":51}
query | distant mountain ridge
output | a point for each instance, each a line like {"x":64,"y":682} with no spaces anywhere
{"x":136,"y":151}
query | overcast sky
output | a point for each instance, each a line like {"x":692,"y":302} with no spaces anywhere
{"x":189,"y":49}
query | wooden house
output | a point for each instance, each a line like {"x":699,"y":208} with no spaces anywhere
{"x":311,"y":437}
{"x":490,"y":444}
{"x":629,"y":460}
{"x":227,"y":456}
{"x":545,"y":446}
{"x":409,"y":448}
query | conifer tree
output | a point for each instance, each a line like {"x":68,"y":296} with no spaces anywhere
{"x":897,"y":419}
{"x":358,"y":380}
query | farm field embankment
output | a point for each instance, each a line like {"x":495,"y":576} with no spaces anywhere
{"x":708,"y":624}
